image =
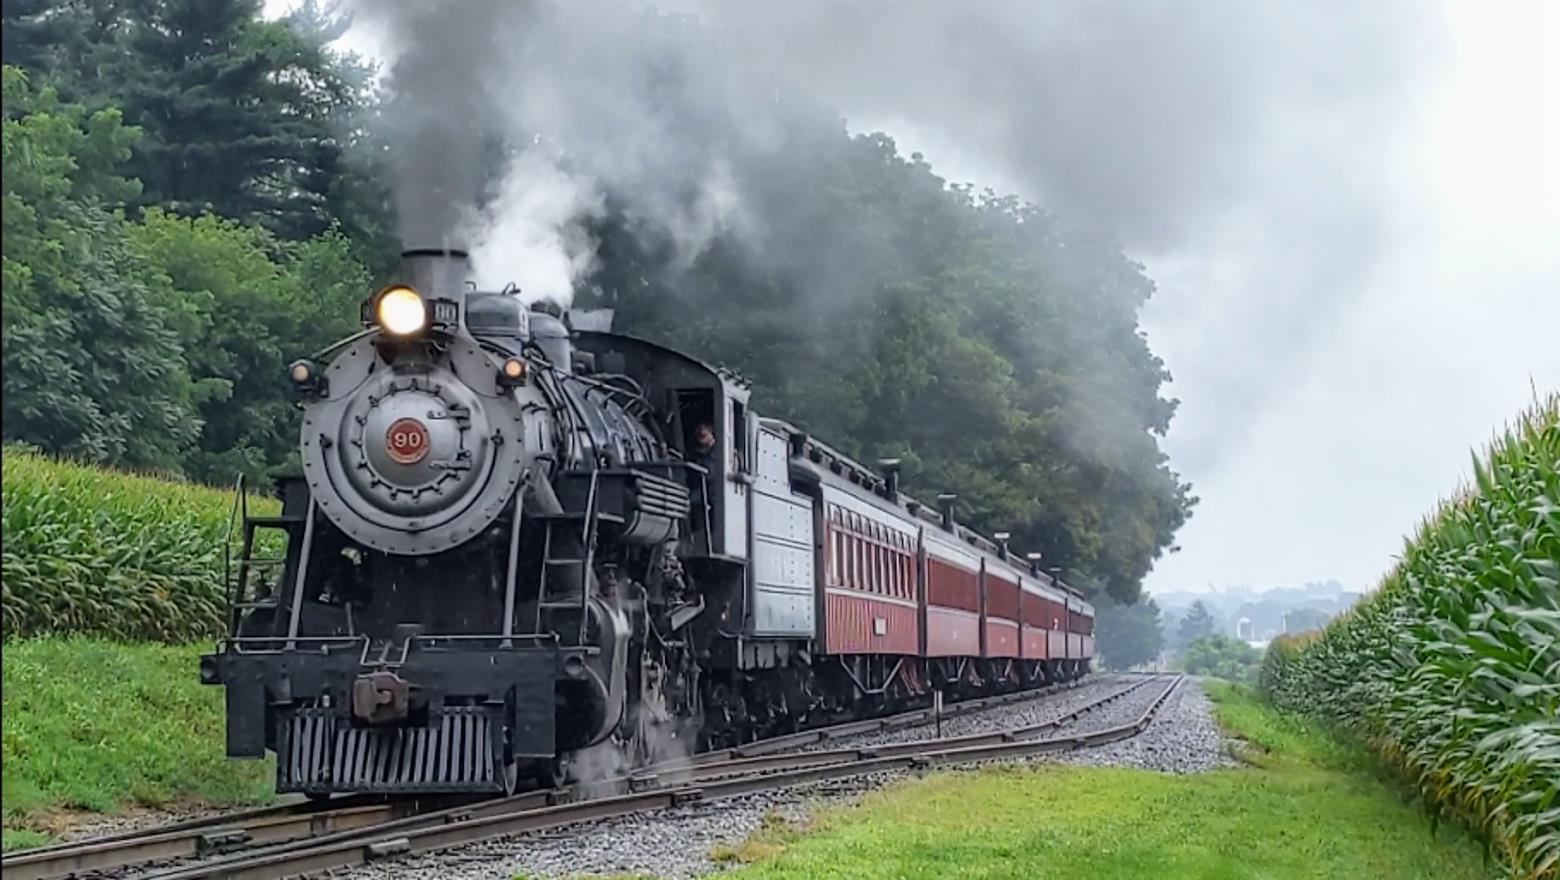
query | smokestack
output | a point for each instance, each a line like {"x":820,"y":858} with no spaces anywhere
{"x":436,"y":272}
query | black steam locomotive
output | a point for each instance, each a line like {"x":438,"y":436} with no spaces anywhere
{"x":517,"y":541}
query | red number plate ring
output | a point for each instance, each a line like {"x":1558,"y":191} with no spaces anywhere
{"x":407,"y":441}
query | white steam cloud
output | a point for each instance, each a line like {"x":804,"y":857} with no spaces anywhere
{"x":533,"y":232}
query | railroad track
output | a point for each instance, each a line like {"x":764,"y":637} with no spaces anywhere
{"x":693,"y":783}
{"x":711,"y":781}
{"x":216,"y":839}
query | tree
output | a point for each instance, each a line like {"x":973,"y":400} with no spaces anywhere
{"x":1223,"y":657}
{"x":251,"y":304}
{"x":1198,"y":623}
{"x":992,"y":349}
{"x":239,"y":116}
{"x":1129,"y":635}
{"x":160,"y":344}
{"x":92,"y":366}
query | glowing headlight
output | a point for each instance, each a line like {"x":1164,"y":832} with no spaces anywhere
{"x":400,"y":311}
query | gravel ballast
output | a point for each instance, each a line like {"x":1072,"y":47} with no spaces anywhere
{"x":678,"y":843}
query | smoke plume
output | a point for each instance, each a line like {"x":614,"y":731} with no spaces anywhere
{"x":1241,"y":149}
{"x":512,"y":124}
{"x":1244,"y":151}
{"x":1251,"y":155}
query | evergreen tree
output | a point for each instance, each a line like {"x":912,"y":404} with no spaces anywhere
{"x":239,"y":116}
{"x":1198,"y":622}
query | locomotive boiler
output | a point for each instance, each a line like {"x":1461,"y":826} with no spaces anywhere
{"x":515,"y":542}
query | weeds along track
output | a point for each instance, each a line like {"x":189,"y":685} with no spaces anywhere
{"x":307,"y":837}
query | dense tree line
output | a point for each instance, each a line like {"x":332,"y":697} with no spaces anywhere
{"x":191,"y":200}
{"x":1128,"y":635}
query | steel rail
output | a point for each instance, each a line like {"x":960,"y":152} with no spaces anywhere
{"x":711,"y":763}
{"x":763,"y":763}
{"x":303,"y":822}
{"x":201,"y":837}
{"x":492,"y":819}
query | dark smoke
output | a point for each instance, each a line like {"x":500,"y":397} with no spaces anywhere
{"x":440,"y":122}
{"x":1246,"y":146}
{"x":1241,"y":150}
{"x":520,"y":119}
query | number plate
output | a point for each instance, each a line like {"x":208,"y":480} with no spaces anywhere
{"x":407,"y":441}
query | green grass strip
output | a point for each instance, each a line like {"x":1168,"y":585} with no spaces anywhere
{"x":96,"y":726}
{"x":1310,"y":807}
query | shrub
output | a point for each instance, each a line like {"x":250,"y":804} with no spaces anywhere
{"x":1222,"y":657}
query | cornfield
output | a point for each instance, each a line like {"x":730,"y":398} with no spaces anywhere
{"x":102,"y":553}
{"x":1451,"y":669}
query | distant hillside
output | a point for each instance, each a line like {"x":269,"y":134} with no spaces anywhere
{"x":1307,"y":606}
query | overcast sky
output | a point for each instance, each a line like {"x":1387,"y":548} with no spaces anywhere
{"x":1441,"y":342}
{"x":1352,"y":214}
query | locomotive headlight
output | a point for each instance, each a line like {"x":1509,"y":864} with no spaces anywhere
{"x":401,"y":311}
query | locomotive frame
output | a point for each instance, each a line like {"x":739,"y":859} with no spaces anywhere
{"x":501,"y":561}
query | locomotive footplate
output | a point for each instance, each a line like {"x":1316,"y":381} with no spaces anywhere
{"x":442,"y":714}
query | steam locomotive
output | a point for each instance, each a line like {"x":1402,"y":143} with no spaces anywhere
{"x":507,"y":553}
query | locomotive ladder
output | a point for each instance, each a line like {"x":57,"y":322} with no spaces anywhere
{"x":573,"y":537}
{"x":236,"y":571}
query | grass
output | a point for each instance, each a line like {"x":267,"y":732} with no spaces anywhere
{"x":94,"y":726}
{"x":1307,"y":807}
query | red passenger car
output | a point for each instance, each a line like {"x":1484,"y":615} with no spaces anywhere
{"x":870,"y":588}
{"x":1000,"y":618}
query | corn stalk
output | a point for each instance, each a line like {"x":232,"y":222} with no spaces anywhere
{"x":103,"y":553}
{"x":1451,"y":668}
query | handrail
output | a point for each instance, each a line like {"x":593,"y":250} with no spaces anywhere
{"x":228,"y":585}
{"x":512,"y":574}
{"x":589,"y":538}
